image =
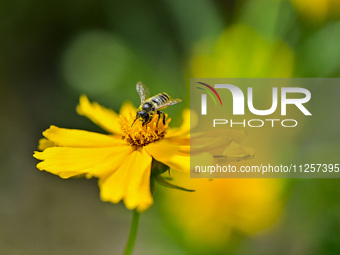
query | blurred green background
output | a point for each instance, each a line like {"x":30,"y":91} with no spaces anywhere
{"x":51,"y":52}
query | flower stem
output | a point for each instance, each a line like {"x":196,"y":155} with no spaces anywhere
{"x":133,"y":233}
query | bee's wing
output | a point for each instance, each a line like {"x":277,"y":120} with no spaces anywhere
{"x":143,"y":91}
{"x":170,"y":102}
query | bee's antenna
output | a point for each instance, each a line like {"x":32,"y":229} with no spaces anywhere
{"x":134,"y":122}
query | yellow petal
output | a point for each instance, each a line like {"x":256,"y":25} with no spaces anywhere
{"x":80,"y":138}
{"x":103,"y":117}
{"x":45,"y":143}
{"x":170,"y":154}
{"x":184,"y":128}
{"x":68,"y":161}
{"x":183,"y":140}
{"x":127,"y":109}
{"x":128,"y":112}
{"x":130,"y":182}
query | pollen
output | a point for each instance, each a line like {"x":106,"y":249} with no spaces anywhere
{"x":139,"y":135}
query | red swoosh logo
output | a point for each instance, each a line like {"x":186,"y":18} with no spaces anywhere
{"x":212,"y":89}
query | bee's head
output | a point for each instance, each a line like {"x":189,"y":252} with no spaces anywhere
{"x":144,"y":115}
{"x":147,"y":107}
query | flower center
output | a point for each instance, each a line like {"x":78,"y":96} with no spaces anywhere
{"x":139,"y":135}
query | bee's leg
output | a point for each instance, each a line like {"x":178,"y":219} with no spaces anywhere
{"x":146,"y":122}
{"x":161,"y":115}
{"x":163,"y":118}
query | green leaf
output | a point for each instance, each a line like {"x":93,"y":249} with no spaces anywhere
{"x":164,"y":183}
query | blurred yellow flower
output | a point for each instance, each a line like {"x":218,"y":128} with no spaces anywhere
{"x":207,"y":218}
{"x":221,"y":211}
{"x":121,"y":160}
{"x":318,"y":10}
{"x":241,"y":52}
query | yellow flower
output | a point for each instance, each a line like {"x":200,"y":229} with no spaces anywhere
{"x":208,"y":219}
{"x":121,"y":160}
{"x":318,"y":10}
{"x":240,"y":51}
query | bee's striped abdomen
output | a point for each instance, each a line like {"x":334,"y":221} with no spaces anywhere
{"x":160,"y":98}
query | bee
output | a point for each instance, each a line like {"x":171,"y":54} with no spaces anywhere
{"x":151,"y":106}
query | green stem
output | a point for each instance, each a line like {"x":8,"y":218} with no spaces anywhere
{"x":133,"y":233}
